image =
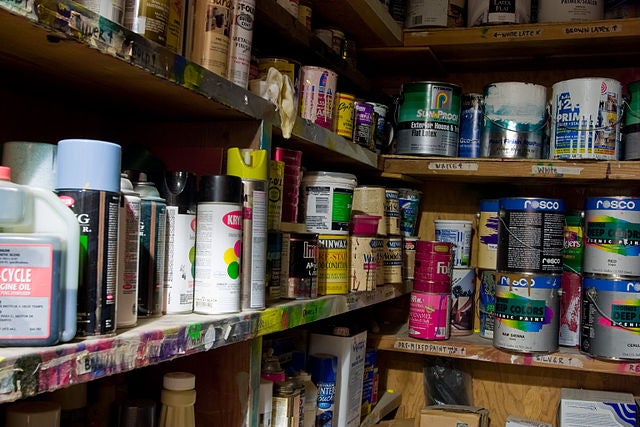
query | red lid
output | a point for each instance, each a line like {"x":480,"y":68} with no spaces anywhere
{"x":5,"y":173}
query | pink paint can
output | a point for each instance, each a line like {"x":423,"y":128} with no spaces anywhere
{"x":433,"y":262}
{"x":429,"y":315}
{"x":318,"y":88}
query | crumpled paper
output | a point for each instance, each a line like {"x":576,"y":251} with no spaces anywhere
{"x":278,"y":89}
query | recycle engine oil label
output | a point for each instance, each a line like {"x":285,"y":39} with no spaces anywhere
{"x":333,"y":264}
{"x":612,"y":236}
{"x":527,"y":312}
{"x":610,"y":317}
{"x":428,"y":119}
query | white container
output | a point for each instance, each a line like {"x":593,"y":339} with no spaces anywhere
{"x":327,"y":200}
{"x":567,"y":11}
{"x":459,"y":233}
{"x":435,"y":13}
{"x":318,"y":88}
{"x":488,"y":12}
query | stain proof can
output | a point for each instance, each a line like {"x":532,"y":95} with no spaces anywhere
{"x":333,"y":264}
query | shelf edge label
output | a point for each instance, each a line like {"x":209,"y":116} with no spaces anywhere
{"x":452,"y":166}
{"x":554,"y":170}
{"x":591,"y":29}
{"x":559,"y":360}
{"x":518,"y":34}
{"x":450,"y":350}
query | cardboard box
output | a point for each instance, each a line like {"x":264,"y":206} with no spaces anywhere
{"x":405,"y":422}
{"x":454,"y":416}
{"x":591,"y":408}
{"x":350,"y":352}
{"x":513,"y":421}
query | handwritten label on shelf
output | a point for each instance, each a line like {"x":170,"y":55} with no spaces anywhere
{"x":450,"y":350}
{"x":629,"y":368}
{"x":592,"y":29}
{"x":269,"y":321}
{"x":555,"y":170}
{"x":518,"y":34}
{"x":452,"y":166}
{"x":550,"y":359}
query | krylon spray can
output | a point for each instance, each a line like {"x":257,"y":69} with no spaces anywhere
{"x":153,"y":223}
{"x":252,"y":167}
{"x":218,"y":245}
{"x":179,"y":191}
{"x":88,"y":181}
{"x":239,"y":60}
{"x":128,"y":255}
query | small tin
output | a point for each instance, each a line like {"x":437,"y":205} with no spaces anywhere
{"x":299,"y":274}
{"x":343,"y":114}
{"x":364,"y":125}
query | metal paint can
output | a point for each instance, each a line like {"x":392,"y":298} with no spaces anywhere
{"x":527,"y":312}
{"x":433,"y":265}
{"x":370,"y":200}
{"x":429,"y":315}
{"x":586,"y":115}
{"x":286,"y":66}
{"x":408,"y":256}
{"x":299,"y":273}
{"x":128,"y":255}
{"x":471,"y":119}
{"x":514,"y":120}
{"x":631,"y":129}
{"x":573,"y":241}
{"x":428,"y":119}
{"x":463,"y":287}
{"x":333,"y":264}
{"x":435,"y":13}
{"x":570,"y":313}
{"x":343,"y":114}
{"x":491,"y":12}
{"x":363,"y":262}
{"x":409,"y":203}
{"x":392,"y":212}
{"x":239,"y":60}
{"x":459,"y":233}
{"x":612,"y":235}
{"x":327,"y":201}
{"x":616,"y":9}
{"x":563,"y":11}
{"x":318,"y":88}
{"x":488,"y":224}
{"x":392,"y":260}
{"x":147,"y":18}
{"x":364,"y":125}
{"x":487,"y":303}
{"x":610,"y":317}
{"x":211,"y":28}
{"x":380,"y":136}
{"x":530,"y":235}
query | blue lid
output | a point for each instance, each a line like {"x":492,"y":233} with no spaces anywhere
{"x":323,"y":367}
{"x":89,"y":165}
{"x":489,"y":205}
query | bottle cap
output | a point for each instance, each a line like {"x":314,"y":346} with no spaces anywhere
{"x":220,"y":188}
{"x":5,"y":173}
{"x":247,"y":163}
{"x":88,"y":164}
{"x":179,"y":381}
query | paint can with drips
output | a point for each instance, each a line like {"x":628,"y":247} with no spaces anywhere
{"x":487,"y":302}
{"x":527,"y":312}
{"x":488,"y":224}
{"x":463,"y":286}
{"x":610,"y":317}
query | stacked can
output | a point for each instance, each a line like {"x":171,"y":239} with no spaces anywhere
{"x":291,"y":182}
{"x":487,"y":250}
{"x":528,"y":278}
{"x":408,"y":209}
{"x":365,"y":247}
{"x":463,"y":277}
{"x":571,"y":298}
{"x":429,"y":314}
{"x":610,"y":319}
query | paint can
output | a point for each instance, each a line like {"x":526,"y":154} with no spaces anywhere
{"x":527,"y":312}
{"x":530,"y":235}
{"x":178,"y":188}
{"x":218,"y":245}
{"x":343,"y":114}
{"x":610,"y":317}
{"x":492,"y":12}
{"x":463,"y":288}
{"x":239,"y":59}
{"x":612,"y":236}
{"x":392,"y":212}
{"x":586,"y":115}
{"x":380,"y":134}
{"x":563,"y":11}
{"x":570,"y":313}
{"x":514,"y":120}
{"x":274,"y":265}
{"x":210,"y":41}
{"x":433,"y":265}
{"x":631,"y":129}
{"x":488,"y":224}
{"x":392,"y":260}
{"x":459,"y":233}
{"x":327,"y":201}
{"x":299,"y":272}
{"x":128,"y":255}
{"x":364,"y":125}
{"x":364,"y":253}
{"x":487,"y":303}
{"x":147,"y":18}
{"x":409,"y":256}
{"x":176,"y":26}
{"x":333,"y":264}
{"x":370,"y":200}
{"x":88,"y":181}
{"x":318,"y":88}
{"x":428,"y":119}
{"x":435,"y":13}
{"x":429,"y":316}
{"x":573,"y":241}
{"x":471,"y":118}
{"x":409,"y":204}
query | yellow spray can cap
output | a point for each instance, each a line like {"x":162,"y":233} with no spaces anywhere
{"x":247,"y":163}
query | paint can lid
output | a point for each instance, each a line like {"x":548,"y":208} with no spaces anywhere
{"x":88,"y":164}
{"x":220,"y":188}
{"x":179,"y":381}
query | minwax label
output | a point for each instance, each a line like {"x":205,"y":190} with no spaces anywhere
{"x":25,"y":290}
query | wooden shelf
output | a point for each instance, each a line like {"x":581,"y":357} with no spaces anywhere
{"x":474,"y":347}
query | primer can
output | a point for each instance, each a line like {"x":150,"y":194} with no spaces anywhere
{"x":299,"y":273}
{"x":128,"y":255}
{"x":558,"y":11}
{"x":333,"y":264}
{"x":527,"y":312}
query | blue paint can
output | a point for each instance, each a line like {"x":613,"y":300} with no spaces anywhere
{"x":471,"y":117}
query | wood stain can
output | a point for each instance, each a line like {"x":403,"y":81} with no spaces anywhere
{"x":392,"y":260}
{"x":299,"y":266}
{"x":333,"y":264}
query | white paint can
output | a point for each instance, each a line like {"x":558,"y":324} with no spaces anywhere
{"x":435,"y":13}
{"x":318,"y":87}
{"x":490,"y":12}
{"x":570,"y":11}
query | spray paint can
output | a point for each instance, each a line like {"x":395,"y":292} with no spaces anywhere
{"x":128,"y":255}
{"x":148,"y":18}
{"x":179,"y":190}
{"x":210,"y":41}
{"x":88,"y":181}
{"x":239,"y":60}
{"x":218,"y":245}
{"x":153,"y":224}
{"x":252,"y":166}
{"x":324,"y":372}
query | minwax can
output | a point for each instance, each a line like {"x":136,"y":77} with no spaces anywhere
{"x":88,"y":181}
{"x":128,"y":254}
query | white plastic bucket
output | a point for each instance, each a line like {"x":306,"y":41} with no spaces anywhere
{"x":457,"y":232}
{"x":327,"y":198}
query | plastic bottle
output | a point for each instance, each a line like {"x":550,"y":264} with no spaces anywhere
{"x":39,"y":247}
{"x":310,"y":398}
{"x":178,"y":398}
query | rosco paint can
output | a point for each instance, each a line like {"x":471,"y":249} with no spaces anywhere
{"x":318,"y":88}
{"x":471,"y":118}
{"x":565,"y":11}
{"x":487,"y":303}
{"x":610,"y":317}
{"x":631,"y":129}
{"x":514,"y":120}
{"x":333,"y":264}
{"x":299,"y":272}
{"x":459,"y":233}
{"x":429,"y":316}
{"x":128,"y":255}
{"x":463,"y":287}
{"x":585,"y":119}
{"x":530,"y":235}
{"x":527,"y":312}
{"x":612,"y":236}
{"x":570,"y":305}
{"x":327,"y":199}
{"x":428,"y":119}
{"x":343,"y":114}
{"x":491,"y":12}
{"x":488,"y":224}
{"x":435,"y":13}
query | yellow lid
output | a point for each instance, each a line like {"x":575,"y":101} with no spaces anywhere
{"x":247,"y":163}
